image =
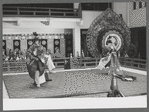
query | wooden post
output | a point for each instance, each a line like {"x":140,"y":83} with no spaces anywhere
{"x":71,"y":61}
{"x":34,"y":13}
{"x":64,"y":14}
{"x":18,"y":11}
{"x":80,"y":11}
{"x":96,"y":62}
{"x":8,"y":67}
{"x":49,"y":12}
{"x":114,"y":85}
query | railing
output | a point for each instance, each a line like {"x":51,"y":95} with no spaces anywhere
{"x":14,"y":66}
{"x":36,"y":11}
{"x":125,"y":62}
{"x":59,"y":62}
{"x":133,"y":63}
{"x":20,"y":66}
{"x":86,"y":62}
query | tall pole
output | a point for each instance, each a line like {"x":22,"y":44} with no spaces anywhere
{"x":114,"y":84}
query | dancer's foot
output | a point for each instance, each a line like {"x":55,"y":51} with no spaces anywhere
{"x":38,"y":85}
{"x":34,"y":84}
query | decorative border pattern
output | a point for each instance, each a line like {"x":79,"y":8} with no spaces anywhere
{"x":137,"y":17}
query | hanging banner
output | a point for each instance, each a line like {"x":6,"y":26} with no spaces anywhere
{"x":62,"y":46}
{"x":50,"y":45}
{"x":16,"y":45}
{"x":29,"y":43}
{"x":68,"y":45}
{"x":56,"y":45}
{"x":44,"y":43}
{"x":23,"y":45}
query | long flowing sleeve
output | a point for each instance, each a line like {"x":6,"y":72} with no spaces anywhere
{"x":49,"y":62}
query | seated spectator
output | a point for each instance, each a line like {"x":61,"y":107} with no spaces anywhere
{"x":6,"y":59}
{"x":57,"y":54}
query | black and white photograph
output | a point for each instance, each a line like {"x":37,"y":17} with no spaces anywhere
{"x":74,"y":55}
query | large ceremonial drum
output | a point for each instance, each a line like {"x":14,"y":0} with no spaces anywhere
{"x":108,"y":26}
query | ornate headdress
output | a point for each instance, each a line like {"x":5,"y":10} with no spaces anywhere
{"x":36,"y":37}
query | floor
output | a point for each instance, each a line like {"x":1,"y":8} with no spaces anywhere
{"x":74,"y":103}
{"x":5,"y":94}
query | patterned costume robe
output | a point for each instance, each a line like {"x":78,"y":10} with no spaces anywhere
{"x":34,"y":62}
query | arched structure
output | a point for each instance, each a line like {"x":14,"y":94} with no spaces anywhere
{"x":108,"y":26}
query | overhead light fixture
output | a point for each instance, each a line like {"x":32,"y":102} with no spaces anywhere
{"x":45,"y":22}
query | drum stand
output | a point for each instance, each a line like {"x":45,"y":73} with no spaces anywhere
{"x":115,"y":92}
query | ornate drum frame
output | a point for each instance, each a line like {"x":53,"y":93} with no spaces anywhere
{"x":108,"y":25}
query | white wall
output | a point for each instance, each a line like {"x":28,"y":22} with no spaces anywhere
{"x":88,"y":17}
{"x":27,"y":27}
{"x":68,"y":31}
{"x":30,"y":31}
{"x":121,"y":8}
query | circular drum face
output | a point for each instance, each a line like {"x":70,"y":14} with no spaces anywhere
{"x":30,"y":42}
{"x":16,"y":49}
{"x":114,"y":39}
{"x":57,"y":49}
{"x":69,"y":48}
{"x":44,"y":42}
{"x":56,"y":42}
{"x":16,"y":43}
{"x":69,"y":42}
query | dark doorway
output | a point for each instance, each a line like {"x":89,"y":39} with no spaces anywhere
{"x":138,"y":38}
{"x":83,"y":43}
{"x":68,"y":45}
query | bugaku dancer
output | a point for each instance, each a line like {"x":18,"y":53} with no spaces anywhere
{"x":37,"y":60}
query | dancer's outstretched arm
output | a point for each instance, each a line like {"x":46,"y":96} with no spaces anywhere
{"x":103,"y":62}
{"x":49,"y":63}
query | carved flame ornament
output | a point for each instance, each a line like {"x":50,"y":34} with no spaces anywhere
{"x":108,"y":26}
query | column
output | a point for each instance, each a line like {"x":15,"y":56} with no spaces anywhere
{"x":9,"y":43}
{"x":23,"y":44}
{"x":76,"y":5}
{"x":62,"y":45}
{"x":127,"y":14}
{"x":50,"y":44}
{"x":76,"y":40}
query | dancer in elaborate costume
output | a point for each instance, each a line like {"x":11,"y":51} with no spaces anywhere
{"x":106,"y":60}
{"x":37,"y":61}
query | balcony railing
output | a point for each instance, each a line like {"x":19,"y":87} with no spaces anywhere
{"x":20,"y":66}
{"x":41,"y":11}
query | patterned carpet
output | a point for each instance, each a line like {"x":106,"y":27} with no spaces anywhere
{"x":72,"y":84}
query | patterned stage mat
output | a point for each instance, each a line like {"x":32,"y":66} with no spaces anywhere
{"x":72,"y":84}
